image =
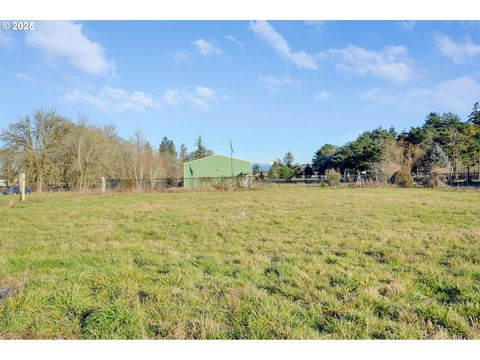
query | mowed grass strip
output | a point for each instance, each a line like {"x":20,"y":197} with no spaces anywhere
{"x":270,"y":264}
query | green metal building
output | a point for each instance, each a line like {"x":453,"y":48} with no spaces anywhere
{"x":215,"y":170}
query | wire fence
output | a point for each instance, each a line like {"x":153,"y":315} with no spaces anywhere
{"x":451,"y":179}
{"x":454,"y":179}
{"x":126,"y":185}
{"x":471,"y":180}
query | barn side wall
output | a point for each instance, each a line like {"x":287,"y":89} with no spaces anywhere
{"x":214,"y":169}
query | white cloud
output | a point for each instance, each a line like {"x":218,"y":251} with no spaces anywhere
{"x":202,"y":48}
{"x":206,"y":48}
{"x":205,"y":93}
{"x":407,"y":25}
{"x":172,"y":97}
{"x":274,"y":83}
{"x":392,"y":63}
{"x":197,"y":103}
{"x":67,"y":40}
{"x":322,"y":96}
{"x":457,"y":95}
{"x":77,"y":96}
{"x":199,"y":98}
{"x":6,"y":40}
{"x":459,"y":52}
{"x":114,"y":100}
{"x":181,"y":55}
{"x":317,"y":25}
{"x":264,"y":31}
{"x":237,"y":42}
{"x":26,"y":77}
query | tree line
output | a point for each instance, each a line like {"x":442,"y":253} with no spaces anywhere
{"x":56,"y":151}
{"x":443,"y":144}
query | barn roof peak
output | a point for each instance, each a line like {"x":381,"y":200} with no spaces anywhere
{"x":216,"y":155}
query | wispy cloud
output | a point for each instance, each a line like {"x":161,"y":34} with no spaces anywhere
{"x":457,"y":95}
{"x":114,"y":100}
{"x":172,"y":97}
{"x":237,"y":42}
{"x":322,"y":96}
{"x":68,"y":41}
{"x":274,"y":83}
{"x":23,"y":76}
{"x":206,"y":48}
{"x":391,"y":63}
{"x":265,"y":32}
{"x":201,"y":47}
{"x":460,"y":52}
{"x":407,"y":25}
{"x":180,"y":56}
{"x":199,"y":98}
{"x":317,"y":25}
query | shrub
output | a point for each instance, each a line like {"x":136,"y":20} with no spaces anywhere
{"x":333,"y":177}
{"x":436,"y":162}
{"x":402,"y":178}
{"x":434,"y":181}
{"x":433,"y":177}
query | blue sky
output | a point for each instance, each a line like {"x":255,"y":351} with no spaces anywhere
{"x":269,"y":86}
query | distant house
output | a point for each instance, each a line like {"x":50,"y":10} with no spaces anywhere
{"x":214,"y":169}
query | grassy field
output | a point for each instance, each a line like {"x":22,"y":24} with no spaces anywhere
{"x":275,"y":263}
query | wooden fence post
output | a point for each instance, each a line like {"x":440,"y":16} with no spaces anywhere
{"x":104,"y":185}
{"x":22,"y":187}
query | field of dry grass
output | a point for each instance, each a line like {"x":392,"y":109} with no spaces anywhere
{"x":279,"y":263}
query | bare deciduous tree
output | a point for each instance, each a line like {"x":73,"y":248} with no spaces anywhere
{"x":36,"y":141}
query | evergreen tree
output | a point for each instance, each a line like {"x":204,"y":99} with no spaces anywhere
{"x":273,"y":172}
{"x":308,"y":171}
{"x":167,"y":147}
{"x":201,"y":150}
{"x":415,"y":136}
{"x":183,"y":154}
{"x":470,"y":152}
{"x":474,"y":116}
{"x":256,"y":169}
{"x":436,"y":159}
{"x":288,"y":159}
{"x":434,"y":120}
{"x":280,"y":171}
{"x":323,"y":158}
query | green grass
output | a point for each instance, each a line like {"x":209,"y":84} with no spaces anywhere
{"x":275,"y":263}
